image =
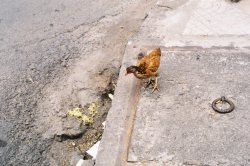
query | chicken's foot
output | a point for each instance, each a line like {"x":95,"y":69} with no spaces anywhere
{"x":149,"y":82}
{"x":156,"y":85}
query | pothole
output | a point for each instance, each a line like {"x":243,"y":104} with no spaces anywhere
{"x":89,"y":118}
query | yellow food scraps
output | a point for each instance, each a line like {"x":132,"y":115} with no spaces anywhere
{"x":86,"y":115}
{"x":92,"y":109}
{"x":75,"y":112}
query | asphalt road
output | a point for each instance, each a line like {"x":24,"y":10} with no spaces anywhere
{"x":39,"y":42}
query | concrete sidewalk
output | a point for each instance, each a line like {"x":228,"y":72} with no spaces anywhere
{"x":205,"y":55}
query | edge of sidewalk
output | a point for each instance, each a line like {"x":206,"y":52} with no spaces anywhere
{"x":119,"y":125}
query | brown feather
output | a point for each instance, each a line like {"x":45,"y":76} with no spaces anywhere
{"x":148,"y":65}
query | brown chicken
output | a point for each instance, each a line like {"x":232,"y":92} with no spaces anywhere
{"x":147,"y":67}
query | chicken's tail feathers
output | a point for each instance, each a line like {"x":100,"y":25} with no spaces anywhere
{"x":157,"y":51}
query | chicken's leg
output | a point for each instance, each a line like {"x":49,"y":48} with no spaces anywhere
{"x":156,"y":84}
{"x":149,"y":82}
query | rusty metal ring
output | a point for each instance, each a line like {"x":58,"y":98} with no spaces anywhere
{"x":223,"y":111}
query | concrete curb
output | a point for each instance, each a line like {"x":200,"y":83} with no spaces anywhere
{"x":113,"y":149}
{"x":115,"y":140}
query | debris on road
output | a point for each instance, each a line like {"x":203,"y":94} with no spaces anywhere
{"x":82,"y":162}
{"x":104,"y":124}
{"x":111,"y":96}
{"x":93,"y":150}
{"x":87,"y":116}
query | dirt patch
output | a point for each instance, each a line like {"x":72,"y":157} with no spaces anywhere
{"x":79,"y":142}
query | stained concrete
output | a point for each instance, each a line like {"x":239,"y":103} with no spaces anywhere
{"x":178,"y":125}
{"x":205,"y":48}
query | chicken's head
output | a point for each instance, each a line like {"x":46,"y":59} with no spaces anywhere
{"x":131,"y":69}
